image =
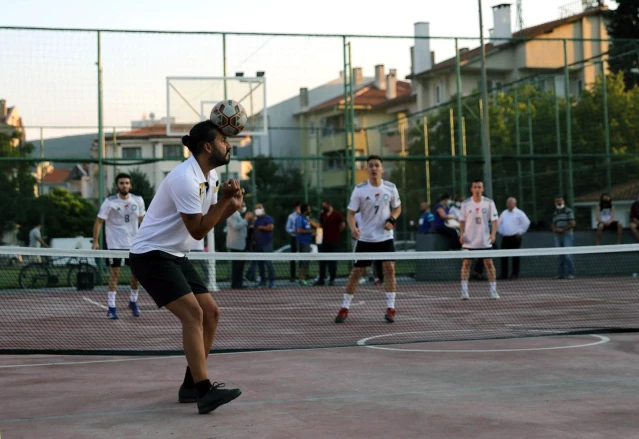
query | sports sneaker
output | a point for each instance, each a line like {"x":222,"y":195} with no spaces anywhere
{"x":187,"y":394}
{"x":303,"y":283}
{"x":216,"y":397}
{"x":390,"y":315}
{"x":112,"y":314}
{"x":341,"y":316}
{"x":271,"y":284}
{"x":133,"y":306}
{"x":494,"y":295}
{"x":464,"y":295}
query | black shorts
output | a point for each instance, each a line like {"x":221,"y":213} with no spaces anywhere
{"x":166,"y":277}
{"x":477,"y":249}
{"x":612,"y":226}
{"x":117,"y":262}
{"x":373,"y":247}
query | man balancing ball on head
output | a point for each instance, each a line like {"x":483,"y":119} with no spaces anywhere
{"x":379,"y":206}
{"x":185,"y":208}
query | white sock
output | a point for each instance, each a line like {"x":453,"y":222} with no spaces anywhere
{"x":134,"y":295}
{"x":390,"y":300}
{"x":493,"y":287}
{"x":464,"y":285}
{"x":347,"y":301}
{"x":111,"y":299}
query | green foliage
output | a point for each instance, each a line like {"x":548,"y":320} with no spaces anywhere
{"x":541,"y":120}
{"x":624,"y":55}
{"x":17,"y":183}
{"x":66,"y":215}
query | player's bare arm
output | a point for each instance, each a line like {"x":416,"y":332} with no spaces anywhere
{"x":200,"y":225}
{"x":96,"y":233}
{"x":493,"y":233}
{"x":462,"y":227}
{"x":352,"y":224}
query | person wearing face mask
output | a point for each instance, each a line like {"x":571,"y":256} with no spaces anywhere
{"x":426,"y":219}
{"x":442,"y":215}
{"x":563,"y":223}
{"x":606,"y":219}
{"x":236,"y":231}
{"x":332,"y":223}
{"x":455,"y":209}
{"x":263,"y":240}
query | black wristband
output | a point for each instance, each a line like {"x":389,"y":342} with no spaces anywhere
{"x":391,"y":220}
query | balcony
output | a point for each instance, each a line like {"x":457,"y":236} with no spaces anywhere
{"x":337,"y":142}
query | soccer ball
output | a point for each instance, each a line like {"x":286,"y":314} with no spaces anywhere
{"x":229,"y":116}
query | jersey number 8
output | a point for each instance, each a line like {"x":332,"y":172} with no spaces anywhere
{"x":126,"y":218}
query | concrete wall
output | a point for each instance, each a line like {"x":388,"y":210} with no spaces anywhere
{"x":589,"y":265}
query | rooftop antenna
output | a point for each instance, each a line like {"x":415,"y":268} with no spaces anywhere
{"x":520,"y":16}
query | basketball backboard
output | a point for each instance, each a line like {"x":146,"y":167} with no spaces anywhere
{"x":189,"y":100}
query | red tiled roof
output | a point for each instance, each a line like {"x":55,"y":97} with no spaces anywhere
{"x":57,"y":176}
{"x":624,"y":191}
{"x":399,"y":100}
{"x":367,"y":96}
{"x":530,"y":32}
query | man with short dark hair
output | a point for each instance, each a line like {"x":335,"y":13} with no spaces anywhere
{"x":122,"y":214}
{"x":332,"y":224}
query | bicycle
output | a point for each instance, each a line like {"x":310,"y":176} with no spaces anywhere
{"x":42,"y":273}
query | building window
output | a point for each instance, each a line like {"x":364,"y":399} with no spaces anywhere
{"x":438,"y":94}
{"x":333,"y":125}
{"x":335,"y":161}
{"x":172,"y":151}
{"x":132,"y":152}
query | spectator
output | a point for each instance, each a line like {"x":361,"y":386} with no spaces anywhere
{"x":441,"y":216}
{"x":250,"y":247}
{"x":290,"y":229}
{"x":35,"y":240}
{"x":304,"y":230}
{"x":236,"y":231}
{"x":606,"y":219}
{"x":455,"y":209}
{"x":332,"y":224}
{"x":634,"y":218}
{"x":513,"y":223}
{"x":263,"y":240}
{"x":426,"y":219}
{"x":563,"y":221}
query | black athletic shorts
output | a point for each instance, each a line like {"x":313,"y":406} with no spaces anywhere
{"x":477,"y":249}
{"x":373,"y":247}
{"x":117,"y":262}
{"x":166,"y":277}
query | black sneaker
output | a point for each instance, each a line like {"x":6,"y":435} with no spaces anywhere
{"x":216,"y":397}
{"x":187,"y":394}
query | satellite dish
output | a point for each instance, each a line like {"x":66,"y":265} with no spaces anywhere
{"x":152,"y":116}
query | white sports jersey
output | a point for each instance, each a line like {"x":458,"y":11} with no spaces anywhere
{"x":374,"y":205}
{"x":185,"y":190}
{"x":121,"y":218}
{"x":478,"y":218}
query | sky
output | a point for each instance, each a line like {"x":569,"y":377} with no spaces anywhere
{"x":52,"y":77}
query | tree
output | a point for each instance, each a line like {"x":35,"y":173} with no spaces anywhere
{"x":624,"y":55}
{"x":66,"y":215}
{"x":17,"y":183}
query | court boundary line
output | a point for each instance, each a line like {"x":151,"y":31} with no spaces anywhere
{"x":362,"y":342}
{"x":458,"y":390}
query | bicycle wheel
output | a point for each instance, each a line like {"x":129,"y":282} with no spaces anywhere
{"x":34,"y":275}
{"x":82,"y":267}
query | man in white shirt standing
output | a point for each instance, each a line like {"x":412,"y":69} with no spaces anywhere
{"x":185,"y":209}
{"x":379,"y":206}
{"x":478,"y":227}
{"x":513,"y":223}
{"x":121,"y":214}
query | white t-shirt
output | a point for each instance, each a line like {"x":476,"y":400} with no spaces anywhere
{"x":478,"y":218}
{"x":184,"y":190}
{"x":121,"y":218}
{"x":374,"y":205}
{"x":34,"y":238}
{"x":605,"y":214}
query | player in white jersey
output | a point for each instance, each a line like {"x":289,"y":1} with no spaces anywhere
{"x":478,"y":227}
{"x":122,"y":214}
{"x":184,"y":210}
{"x":379,"y":206}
